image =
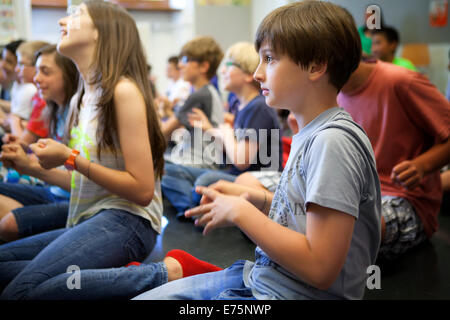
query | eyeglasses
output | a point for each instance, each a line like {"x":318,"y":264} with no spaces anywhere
{"x":232,"y":63}
{"x":186,"y":59}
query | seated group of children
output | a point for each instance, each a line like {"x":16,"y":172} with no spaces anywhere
{"x":361,"y":182}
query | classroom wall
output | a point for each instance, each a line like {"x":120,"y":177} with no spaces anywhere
{"x":409,"y":17}
{"x":163,"y":33}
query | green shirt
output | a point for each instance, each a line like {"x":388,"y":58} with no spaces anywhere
{"x":366,"y":42}
{"x":404,"y":63}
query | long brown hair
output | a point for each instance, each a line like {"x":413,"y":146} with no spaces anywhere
{"x":70,"y":79}
{"x":119,"y":53}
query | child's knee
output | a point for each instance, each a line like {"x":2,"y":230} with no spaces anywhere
{"x":8,"y":228}
{"x":247,"y":179}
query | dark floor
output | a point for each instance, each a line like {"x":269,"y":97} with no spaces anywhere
{"x":423,"y":273}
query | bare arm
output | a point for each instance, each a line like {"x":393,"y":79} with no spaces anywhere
{"x":316,"y":258}
{"x":5,"y":106}
{"x":13,"y":155}
{"x":169,"y":126}
{"x":241,"y":153}
{"x":411,"y":172}
{"x":136,"y":182}
{"x":261,"y":199}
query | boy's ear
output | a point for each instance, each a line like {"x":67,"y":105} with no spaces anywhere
{"x":392,"y":46}
{"x":249,"y":78}
{"x":316,"y":71}
{"x":204,"y":67}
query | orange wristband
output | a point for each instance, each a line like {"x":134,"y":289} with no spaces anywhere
{"x":70,"y":162}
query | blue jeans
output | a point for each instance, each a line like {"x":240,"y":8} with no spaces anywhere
{"x":42,"y":210}
{"x":226,"y":284}
{"x":29,"y":195}
{"x":35,"y":267}
{"x":179,"y":182}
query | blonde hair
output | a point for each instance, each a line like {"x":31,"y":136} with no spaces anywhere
{"x":29,"y":49}
{"x":245,"y":55}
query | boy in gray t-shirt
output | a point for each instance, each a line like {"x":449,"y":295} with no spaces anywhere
{"x":320,"y":231}
{"x":200,"y":58}
{"x":190,"y":150}
{"x":331,"y":164}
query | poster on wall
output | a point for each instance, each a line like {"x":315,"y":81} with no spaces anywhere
{"x":223,"y":2}
{"x":8,"y":28}
{"x":438,"y":13}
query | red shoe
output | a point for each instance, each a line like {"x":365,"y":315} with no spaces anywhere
{"x":133,"y":263}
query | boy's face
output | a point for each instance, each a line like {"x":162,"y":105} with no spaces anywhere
{"x":25,"y":70}
{"x":8,"y":65}
{"x":3,"y":81}
{"x":382,"y":49}
{"x":190,"y":69}
{"x":233,"y":77}
{"x":172,"y":71}
{"x":282,"y":80}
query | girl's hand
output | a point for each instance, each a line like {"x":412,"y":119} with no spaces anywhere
{"x":51,"y":154}
{"x":10,"y":138}
{"x":13,"y":156}
{"x":219,"y":211}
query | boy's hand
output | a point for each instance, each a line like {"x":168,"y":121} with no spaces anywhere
{"x":51,"y":154}
{"x":219,"y":211}
{"x":224,"y":187}
{"x":408,"y":174}
{"x":198,"y":119}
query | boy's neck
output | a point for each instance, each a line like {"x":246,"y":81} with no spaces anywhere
{"x":247,"y":94}
{"x":390,"y":57}
{"x":199,"y":83}
{"x":316,"y":102}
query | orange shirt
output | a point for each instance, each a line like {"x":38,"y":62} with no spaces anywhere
{"x":404,"y":115}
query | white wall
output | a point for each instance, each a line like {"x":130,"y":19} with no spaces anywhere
{"x":260,"y":8}
{"x":410,"y":20}
{"x":164,"y":33}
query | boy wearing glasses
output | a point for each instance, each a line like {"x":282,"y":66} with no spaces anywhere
{"x":199,"y":60}
{"x":241,"y":143}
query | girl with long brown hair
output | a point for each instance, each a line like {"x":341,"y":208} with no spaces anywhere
{"x":115,"y":159}
{"x":28,"y":209}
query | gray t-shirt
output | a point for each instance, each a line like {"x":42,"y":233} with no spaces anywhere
{"x":194,"y":147}
{"x":331,"y":164}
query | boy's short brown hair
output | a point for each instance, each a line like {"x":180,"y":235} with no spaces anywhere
{"x":314,"y":31}
{"x":202,"y":49}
